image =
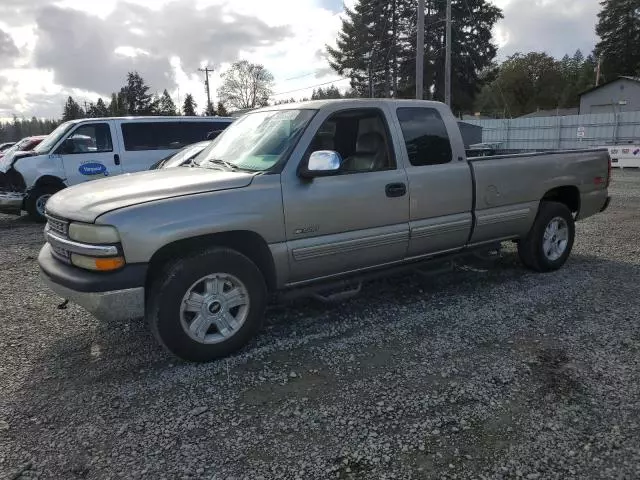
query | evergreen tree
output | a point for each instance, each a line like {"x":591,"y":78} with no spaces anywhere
{"x":222,"y":111}
{"x":619,"y":31}
{"x":330,"y":93}
{"x":377,"y":41}
{"x":189,"y":106}
{"x":351,"y":93}
{"x":136,"y":96}
{"x":19,"y":128}
{"x":578,"y":76}
{"x":98,"y":110}
{"x":72,"y":110}
{"x":166,"y":105}
{"x":210,"y":111}
{"x":117,"y":107}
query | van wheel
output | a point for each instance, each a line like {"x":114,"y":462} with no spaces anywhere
{"x":36,"y":201}
{"x":550,"y":240}
{"x":207,"y":305}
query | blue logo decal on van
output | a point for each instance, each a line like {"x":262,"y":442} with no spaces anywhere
{"x":92,"y":168}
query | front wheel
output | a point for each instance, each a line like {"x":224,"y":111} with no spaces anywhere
{"x":37,"y":200}
{"x":208,"y":305}
{"x":549,"y":243}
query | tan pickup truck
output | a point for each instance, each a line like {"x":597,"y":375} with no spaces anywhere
{"x":302,"y":198}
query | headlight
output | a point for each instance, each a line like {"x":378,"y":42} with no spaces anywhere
{"x":89,"y":233}
{"x":98,"y":264}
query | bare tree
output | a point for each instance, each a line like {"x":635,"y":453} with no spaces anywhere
{"x":246,"y":85}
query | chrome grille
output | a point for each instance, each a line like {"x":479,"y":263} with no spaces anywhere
{"x":58,"y":226}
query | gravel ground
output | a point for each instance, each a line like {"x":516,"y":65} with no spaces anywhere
{"x":475,"y":374}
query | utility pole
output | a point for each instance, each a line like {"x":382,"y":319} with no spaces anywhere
{"x":206,"y":71}
{"x":370,"y":80}
{"x":86,"y":106}
{"x":420,"y":52}
{"x":447,"y":61}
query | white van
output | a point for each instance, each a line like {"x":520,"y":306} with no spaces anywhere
{"x":93,"y":148}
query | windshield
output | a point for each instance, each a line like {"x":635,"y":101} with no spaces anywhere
{"x":16,"y":147}
{"x":48,"y":143}
{"x":257,"y":141}
{"x":185,"y":154}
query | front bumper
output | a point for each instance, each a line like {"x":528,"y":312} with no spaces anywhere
{"x":11,"y":202}
{"x":110,"y":297}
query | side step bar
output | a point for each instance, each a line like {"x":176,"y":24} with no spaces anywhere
{"x":349,"y":287}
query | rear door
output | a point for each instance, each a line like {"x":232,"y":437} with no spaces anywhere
{"x":440,"y":182}
{"x":88,"y":153}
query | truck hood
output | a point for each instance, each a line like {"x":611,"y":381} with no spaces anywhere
{"x":87,"y":201}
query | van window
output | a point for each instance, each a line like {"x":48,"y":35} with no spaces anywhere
{"x":166,"y":135}
{"x":90,"y":138}
{"x":425,"y":136}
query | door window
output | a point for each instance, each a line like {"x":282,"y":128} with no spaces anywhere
{"x":361,"y":138}
{"x":425,"y":136}
{"x":90,"y":138}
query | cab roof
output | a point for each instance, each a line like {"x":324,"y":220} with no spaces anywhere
{"x":355,"y":102}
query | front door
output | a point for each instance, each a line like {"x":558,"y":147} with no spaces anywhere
{"x":88,"y":153}
{"x":357,"y":218}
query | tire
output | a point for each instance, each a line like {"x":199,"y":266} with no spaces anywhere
{"x":36,"y":200}
{"x":539,"y":255}
{"x":186,"y":304}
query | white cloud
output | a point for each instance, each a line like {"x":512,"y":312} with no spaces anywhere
{"x":557,"y":27}
{"x":85,"y":48}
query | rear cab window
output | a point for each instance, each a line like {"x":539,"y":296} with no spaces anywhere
{"x":425,"y":136}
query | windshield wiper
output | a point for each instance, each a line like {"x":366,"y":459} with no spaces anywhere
{"x":219,"y":161}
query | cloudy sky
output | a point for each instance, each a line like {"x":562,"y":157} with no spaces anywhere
{"x":50,"y":49}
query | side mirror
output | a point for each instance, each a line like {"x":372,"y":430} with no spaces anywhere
{"x":66,"y":147}
{"x":322,"y":163}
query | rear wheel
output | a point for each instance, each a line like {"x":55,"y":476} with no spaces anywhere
{"x":208,"y":305}
{"x":36,"y":201}
{"x":549,"y":243}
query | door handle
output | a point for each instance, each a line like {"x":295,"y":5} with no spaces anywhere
{"x":396,"y":190}
{"x":116,"y":159}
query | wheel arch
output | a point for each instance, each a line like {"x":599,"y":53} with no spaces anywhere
{"x":568,"y":195}
{"x":49,"y":181}
{"x":246,"y":242}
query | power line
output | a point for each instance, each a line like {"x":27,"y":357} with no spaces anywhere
{"x":301,"y":76}
{"x":310,"y":86}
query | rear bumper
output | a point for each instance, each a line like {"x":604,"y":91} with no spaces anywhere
{"x":606,"y":204}
{"x":110,"y":297}
{"x":11,"y":202}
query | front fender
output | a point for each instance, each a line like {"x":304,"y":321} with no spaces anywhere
{"x":33,"y":168}
{"x":147,"y":227}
